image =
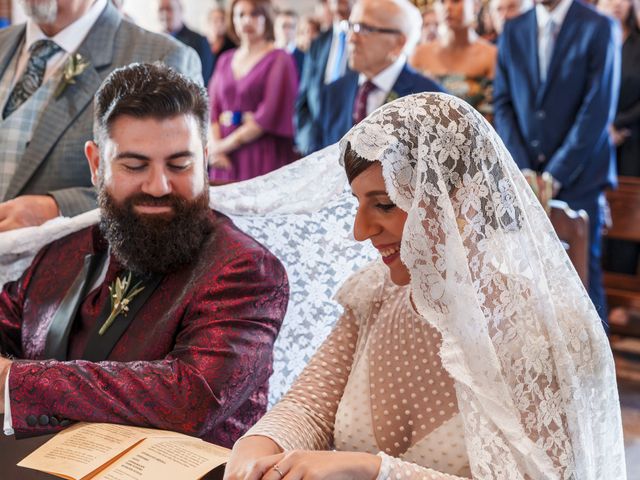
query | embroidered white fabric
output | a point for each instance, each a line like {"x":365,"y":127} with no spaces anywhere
{"x":533,"y":371}
{"x":303,"y":213}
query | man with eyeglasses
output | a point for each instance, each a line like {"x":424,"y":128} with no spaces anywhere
{"x":381,"y":33}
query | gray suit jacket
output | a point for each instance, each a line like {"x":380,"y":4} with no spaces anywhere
{"x":54,"y":162}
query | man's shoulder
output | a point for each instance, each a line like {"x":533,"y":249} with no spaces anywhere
{"x":228,"y":243}
{"x":319,"y":44}
{"x":587,"y":14}
{"x":411,"y":81}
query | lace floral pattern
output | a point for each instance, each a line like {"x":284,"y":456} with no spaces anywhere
{"x":534,"y":373}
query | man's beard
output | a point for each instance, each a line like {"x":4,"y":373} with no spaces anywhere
{"x":160,"y":244}
{"x":40,"y":11}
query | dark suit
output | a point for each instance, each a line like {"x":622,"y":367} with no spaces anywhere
{"x":201,"y":45}
{"x":560,"y":126}
{"x":54,"y":160}
{"x":308,"y":103}
{"x":195,"y":358}
{"x":336,"y":116}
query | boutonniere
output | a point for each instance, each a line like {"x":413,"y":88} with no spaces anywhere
{"x":393,"y":95}
{"x":121,"y":293}
{"x":73,"y":68}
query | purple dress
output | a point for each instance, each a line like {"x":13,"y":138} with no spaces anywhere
{"x":268,"y":91}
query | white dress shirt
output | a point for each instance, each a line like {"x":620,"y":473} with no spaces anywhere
{"x":342,"y":26}
{"x":543,"y":16}
{"x":69,"y":39}
{"x":384,"y":83}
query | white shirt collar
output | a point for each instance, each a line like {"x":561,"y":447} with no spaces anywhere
{"x":386,"y":79}
{"x":558,"y":14}
{"x":72,"y":36}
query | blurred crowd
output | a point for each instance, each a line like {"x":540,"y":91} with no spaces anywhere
{"x":558,"y":79}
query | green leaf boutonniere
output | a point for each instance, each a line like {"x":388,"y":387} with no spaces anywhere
{"x":393,"y":95}
{"x":121,"y":293}
{"x":74,"y":67}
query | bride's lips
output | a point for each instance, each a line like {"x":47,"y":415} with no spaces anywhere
{"x":389,"y":252}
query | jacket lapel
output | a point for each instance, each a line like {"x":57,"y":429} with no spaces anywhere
{"x":58,"y":335}
{"x":563,"y":41}
{"x":10,"y":47}
{"x":60,"y":113}
{"x":99,"y":346}
{"x":403,"y":85}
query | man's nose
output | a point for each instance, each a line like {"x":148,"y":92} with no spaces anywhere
{"x":157,"y":183}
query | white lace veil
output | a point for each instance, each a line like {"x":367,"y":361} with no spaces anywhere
{"x":534,"y":373}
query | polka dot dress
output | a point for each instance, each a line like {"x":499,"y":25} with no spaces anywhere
{"x":376,"y":385}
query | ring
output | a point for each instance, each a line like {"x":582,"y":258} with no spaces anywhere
{"x":275,"y":467}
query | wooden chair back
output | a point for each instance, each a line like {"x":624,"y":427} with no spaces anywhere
{"x":572,"y":228}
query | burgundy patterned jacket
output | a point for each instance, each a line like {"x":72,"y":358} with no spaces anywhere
{"x":195,"y":359}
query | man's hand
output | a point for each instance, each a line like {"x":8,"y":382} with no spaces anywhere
{"x":5,"y":363}
{"x":27,"y":211}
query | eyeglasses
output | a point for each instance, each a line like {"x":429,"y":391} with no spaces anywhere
{"x":364,"y":29}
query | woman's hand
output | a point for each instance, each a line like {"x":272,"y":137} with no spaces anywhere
{"x":221,"y":160}
{"x":312,"y":465}
{"x":245,"y":454}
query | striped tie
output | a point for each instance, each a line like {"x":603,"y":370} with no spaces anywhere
{"x":31,"y":79}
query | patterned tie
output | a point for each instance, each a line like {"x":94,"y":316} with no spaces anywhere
{"x":31,"y":79}
{"x":336,"y":69}
{"x":546,"y":50}
{"x":360,"y":105}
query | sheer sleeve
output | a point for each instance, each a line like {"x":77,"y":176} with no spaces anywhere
{"x":304,"y":418}
{"x":397,"y":469}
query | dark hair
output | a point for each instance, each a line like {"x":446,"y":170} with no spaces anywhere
{"x":264,"y":8}
{"x":148,"y":90}
{"x":354,"y":164}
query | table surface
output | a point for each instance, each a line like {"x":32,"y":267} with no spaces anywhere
{"x":12,"y":451}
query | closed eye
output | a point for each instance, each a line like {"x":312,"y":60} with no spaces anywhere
{"x":385,"y":207}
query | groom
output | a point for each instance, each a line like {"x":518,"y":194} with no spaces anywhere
{"x":163,"y":315}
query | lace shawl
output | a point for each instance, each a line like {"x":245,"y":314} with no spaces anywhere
{"x":534,"y":373}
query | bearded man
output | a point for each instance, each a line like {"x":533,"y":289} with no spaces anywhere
{"x":50,"y":68}
{"x":163,"y":315}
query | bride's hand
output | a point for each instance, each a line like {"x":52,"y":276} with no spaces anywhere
{"x":309,"y":465}
{"x":246,"y":453}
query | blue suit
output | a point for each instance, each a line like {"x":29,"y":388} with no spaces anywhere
{"x":338,"y":99}
{"x":560,"y":126}
{"x":307,"y":111}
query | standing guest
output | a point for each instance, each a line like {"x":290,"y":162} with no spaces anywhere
{"x":619,"y":255}
{"x":553,"y":108}
{"x":469,"y":349}
{"x":503,"y":10}
{"x":308,"y":31}
{"x":325,"y":62}
{"x":380,"y":32}
{"x":429,"y":25}
{"x":219,"y":41}
{"x":45,"y":116}
{"x":193,"y":352}
{"x":462,"y":61}
{"x":172,"y":20}
{"x":285,"y":32}
{"x":252,"y":98}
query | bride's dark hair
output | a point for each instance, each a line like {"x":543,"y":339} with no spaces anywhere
{"x":354,"y":164}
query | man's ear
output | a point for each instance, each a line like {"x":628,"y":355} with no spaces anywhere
{"x":92,"y":152}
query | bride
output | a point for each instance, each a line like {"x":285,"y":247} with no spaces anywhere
{"x":470,"y":349}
